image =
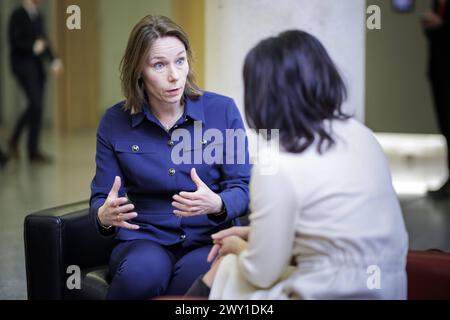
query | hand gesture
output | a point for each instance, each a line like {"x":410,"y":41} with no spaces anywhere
{"x":241,"y":232}
{"x":431,"y":21}
{"x":202,"y":201}
{"x":231,"y":244}
{"x":115,"y":211}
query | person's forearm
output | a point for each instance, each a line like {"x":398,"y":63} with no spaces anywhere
{"x":235,"y":201}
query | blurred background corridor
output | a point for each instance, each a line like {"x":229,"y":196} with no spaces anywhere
{"x":385,"y":71}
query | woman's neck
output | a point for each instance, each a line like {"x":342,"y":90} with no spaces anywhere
{"x":165,"y":110}
{"x":167,"y":114}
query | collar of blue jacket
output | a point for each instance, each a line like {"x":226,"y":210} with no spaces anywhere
{"x":194,"y":110}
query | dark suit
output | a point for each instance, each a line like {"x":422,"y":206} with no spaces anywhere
{"x":439,"y":71}
{"x":29,"y":71}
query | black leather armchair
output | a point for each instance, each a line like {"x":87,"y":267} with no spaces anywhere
{"x":57,"y":238}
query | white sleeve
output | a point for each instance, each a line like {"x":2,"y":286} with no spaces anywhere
{"x":272,"y":228}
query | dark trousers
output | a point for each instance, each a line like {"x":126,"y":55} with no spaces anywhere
{"x":199,"y":289}
{"x":143,"y":269}
{"x":31,"y":80}
{"x":440,"y":85}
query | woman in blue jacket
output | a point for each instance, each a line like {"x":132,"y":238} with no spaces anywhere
{"x":172,"y":167}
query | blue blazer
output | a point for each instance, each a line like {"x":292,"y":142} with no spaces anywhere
{"x":139,"y":150}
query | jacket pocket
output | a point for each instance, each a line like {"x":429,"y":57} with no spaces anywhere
{"x":134,"y":147}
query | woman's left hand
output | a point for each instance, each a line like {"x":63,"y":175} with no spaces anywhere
{"x":202,"y":201}
{"x":230,"y":244}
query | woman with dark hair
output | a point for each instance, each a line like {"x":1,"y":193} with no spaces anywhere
{"x":162,"y":211}
{"x":327,"y":224}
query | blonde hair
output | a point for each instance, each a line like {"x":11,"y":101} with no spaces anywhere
{"x":141,"y":39}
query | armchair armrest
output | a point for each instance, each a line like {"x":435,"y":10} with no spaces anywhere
{"x":428,"y":274}
{"x":55,"y":239}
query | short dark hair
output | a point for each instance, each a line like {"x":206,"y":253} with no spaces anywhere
{"x":291,"y":84}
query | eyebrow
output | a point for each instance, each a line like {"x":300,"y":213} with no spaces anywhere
{"x":163,"y":57}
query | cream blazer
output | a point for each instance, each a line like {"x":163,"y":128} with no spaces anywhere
{"x":335,"y":213}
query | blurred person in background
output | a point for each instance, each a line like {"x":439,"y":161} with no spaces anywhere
{"x":436,"y":24}
{"x":29,"y":48}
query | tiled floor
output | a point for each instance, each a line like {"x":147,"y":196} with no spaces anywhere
{"x":417,"y":163}
{"x":26,"y":188}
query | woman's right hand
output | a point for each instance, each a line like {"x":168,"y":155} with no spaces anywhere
{"x":241,"y":232}
{"x":115,"y":211}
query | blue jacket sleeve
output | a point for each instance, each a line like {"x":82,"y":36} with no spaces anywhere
{"x":107,"y":168}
